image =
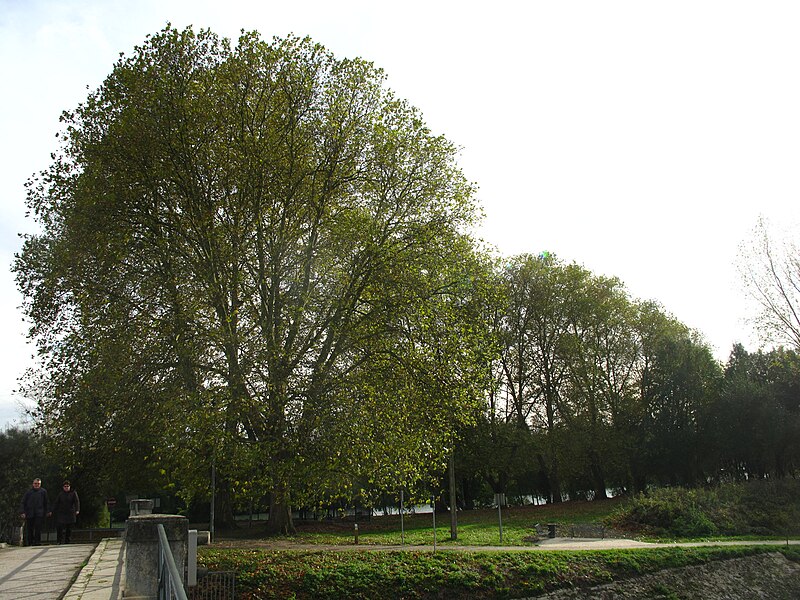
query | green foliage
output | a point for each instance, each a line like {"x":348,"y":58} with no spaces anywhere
{"x":253,"y":257}
{"x":754,"y":425}
{"x":103,"y":518}
{"x":670,"y":511}
{"x":600,"y":391}
{"x":256,"y":257}
{"x":445,"y":574}
{"x":752,"y":508}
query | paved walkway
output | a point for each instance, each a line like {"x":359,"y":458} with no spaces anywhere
{"x":103,"y":576}
{"x":49,"y":572}
{"x":43,"y":572}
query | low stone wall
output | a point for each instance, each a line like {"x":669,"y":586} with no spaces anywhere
{"x":576,"y":530}
{"x":96,"y":534}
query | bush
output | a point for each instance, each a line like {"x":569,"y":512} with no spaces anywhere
{"x":750,"y":508}
{"x":103,"y":518}
{"x":693,"y":523}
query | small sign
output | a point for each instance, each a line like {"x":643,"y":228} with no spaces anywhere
{"x":111,"y":502}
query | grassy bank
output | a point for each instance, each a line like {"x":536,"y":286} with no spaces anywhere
{"x":757,"y":508}
{"x":475,"y":527}
{"x":763,"y":509}
{"x":264,"y":574}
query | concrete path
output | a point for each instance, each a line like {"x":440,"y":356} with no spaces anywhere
{"x":68,"y":572}
{"x":608,"y":543}
{"x":43,"y":572}
{"x":103,"y":576}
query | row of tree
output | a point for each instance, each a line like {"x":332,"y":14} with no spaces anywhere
{"x":257,"y":260}
{"x":593,"y":391}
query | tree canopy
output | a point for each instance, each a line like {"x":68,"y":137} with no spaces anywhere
{"x":256,"y":259}
{"x":254,"y":256}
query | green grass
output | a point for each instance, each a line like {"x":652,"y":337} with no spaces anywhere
{"x":265,"y":574}
{"x":728,"y":512}
{"x":475,"y":528}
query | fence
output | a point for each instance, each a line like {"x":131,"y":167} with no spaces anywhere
{"x":214,"y":585}
{"x":170,"y":582}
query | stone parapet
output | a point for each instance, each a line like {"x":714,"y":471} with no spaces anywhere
{"x":141,"y":552}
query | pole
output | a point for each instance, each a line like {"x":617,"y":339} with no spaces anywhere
{"x":433,"y":506}
{"x":402,"y":527}
{"x":213,"y":495}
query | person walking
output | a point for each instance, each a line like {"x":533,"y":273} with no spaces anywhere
{"x":34,"y":510}
{"x":65,"y":509}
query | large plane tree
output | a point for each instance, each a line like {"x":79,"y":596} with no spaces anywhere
{"x":252,"y":256}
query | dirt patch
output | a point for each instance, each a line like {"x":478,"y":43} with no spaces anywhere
{"x":764,"y":577}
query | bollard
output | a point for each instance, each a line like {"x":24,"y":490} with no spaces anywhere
{"x":355,"y":529}
{"x":191,"y":559}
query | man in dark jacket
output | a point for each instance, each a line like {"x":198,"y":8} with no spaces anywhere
{"x":34,"y":509}
{"x":65,"y":510}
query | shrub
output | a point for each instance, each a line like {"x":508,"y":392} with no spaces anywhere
{"x":749,"y":508}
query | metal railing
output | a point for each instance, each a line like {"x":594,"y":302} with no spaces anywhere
{"x":170,"y":582}
{"x":215,"y":585}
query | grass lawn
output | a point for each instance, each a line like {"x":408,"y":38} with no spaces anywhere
{"x":475,"y":528}
{"x":269,"y":574}
{"x":263,"y":572}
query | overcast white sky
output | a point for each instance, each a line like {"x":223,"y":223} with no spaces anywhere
{"x":640,"y":139}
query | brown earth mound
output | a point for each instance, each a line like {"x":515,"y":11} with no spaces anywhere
{"x":763,"y":577}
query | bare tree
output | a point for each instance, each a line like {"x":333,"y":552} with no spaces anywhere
{"x":770,"y":269}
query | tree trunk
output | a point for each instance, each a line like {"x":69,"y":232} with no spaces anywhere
{"x":453,"y":504}
{"x":280,"y":514}
{"x":555,"y":482}
{"x":549,"y":479}
{"x":598,"y":477}
{"x":468,"y":496}
{"x":223,"y":513}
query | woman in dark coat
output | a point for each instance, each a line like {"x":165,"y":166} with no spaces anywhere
{"x":65,"y":510}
